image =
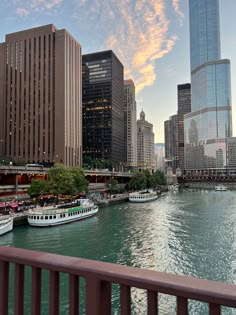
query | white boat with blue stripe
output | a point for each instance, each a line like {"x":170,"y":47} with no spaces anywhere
{"x":61,"y":214}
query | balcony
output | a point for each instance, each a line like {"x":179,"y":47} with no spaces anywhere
{"x":99,"y":278}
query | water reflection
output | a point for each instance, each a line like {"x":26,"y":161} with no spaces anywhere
{"x":189,"y":233}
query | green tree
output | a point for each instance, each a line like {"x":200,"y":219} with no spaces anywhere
{"x":112,"y":185}
{"x":138,"y":181}
{"x":61,"y":180}
{"x":80,"y":182}
{"x":37,"y":188}
{"x":159,"y":178}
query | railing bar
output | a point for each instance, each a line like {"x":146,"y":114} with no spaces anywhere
{"x":214,"y":309}
{"x":125,"y":300}
{"x":182,"y":306}
{"x":98,"y":297}
{"x":54,"y":293}
{"x":74,"y":295}
{"x":4,"y":287}
{"x":105,"y":299}
{"x":152,"y":303}
{"x":19,"y":290}
{"x":36,"y":291}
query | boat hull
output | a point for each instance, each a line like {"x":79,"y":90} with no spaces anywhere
{"x":6,"y":227}
{"x":220,"y":188}
{"x":59,"y":221}
{"x":141,"y":200}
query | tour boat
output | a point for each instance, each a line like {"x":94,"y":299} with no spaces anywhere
{"x":220,"y":187}
{"x":6,"y":224}
{"x":61,"y":214}
{"x":143,"y":196}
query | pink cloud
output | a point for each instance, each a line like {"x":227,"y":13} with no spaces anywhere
{"x":22,"y":11}
{"x":142,"y":38}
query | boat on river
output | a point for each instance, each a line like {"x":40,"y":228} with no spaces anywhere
{"x":6,"y":224}
{"x":143,"y":196}
{"x":220,"y":187}
{"x":60,"y":214}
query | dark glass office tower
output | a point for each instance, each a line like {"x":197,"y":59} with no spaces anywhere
{"x":103,"y":106}
{"x":209,"y":124}
{"x":171,"y":142}
{"x":184,"y":107}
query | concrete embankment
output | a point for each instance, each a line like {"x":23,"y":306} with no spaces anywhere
{"x":20,"y":219}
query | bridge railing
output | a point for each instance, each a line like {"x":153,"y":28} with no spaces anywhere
{"x":99,"y":277}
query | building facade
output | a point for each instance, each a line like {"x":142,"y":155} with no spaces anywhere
{"x":184,"y":107}
{"x":171,"y":142}
{"x":209,"y":123}
{"x":40,"y":96}
{"x":145,"y":144}
{"x":159,"y":156}
{"x":103,"y":107}
{"x":130,"y":124}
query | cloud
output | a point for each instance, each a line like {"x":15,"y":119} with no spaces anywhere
{"x":141,"y":38}
{"x":175,"y":4}
{"x":137,"y":31}
{"x":22,"y":11}
{"x":38,"y":6}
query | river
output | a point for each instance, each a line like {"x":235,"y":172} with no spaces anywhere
{"x":185,"y":233}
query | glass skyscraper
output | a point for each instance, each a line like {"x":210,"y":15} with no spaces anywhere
{"x":209,"y":124}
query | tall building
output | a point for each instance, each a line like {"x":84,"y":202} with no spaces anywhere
{"x":184,"y":107}
{"x":171,"y":142}
{"x":145,"y":143}
{"x":159,"y":153}
{"x":40,"y":96}
{"x":209,"y":123}
{"x":167,"y":135}
{"x":103,"y":106}
{"x":130,"y":122}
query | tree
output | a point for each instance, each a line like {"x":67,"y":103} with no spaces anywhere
{"x":61,"y":180}
{"x":112,"y":185}
{"x":138,"y":181}
{"x":80,"y":182}
{"x":159,"y":178}
{"x":37,"y":188}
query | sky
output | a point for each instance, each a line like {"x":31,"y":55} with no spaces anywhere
{"x":150,"y":37}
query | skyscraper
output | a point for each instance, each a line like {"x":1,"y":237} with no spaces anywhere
{"x":171,"y":142}
{"x":130,"y":122}
{"x":40,"y":96}
{"x":184,"y":107}
{"x":103,"y":106}
{"x":209,"y":123}
{"x":145,"y":143}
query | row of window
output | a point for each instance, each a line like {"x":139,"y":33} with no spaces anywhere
{"x":50,"y":217}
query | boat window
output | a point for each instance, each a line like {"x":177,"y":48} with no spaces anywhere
{"x":50,"y":217}
{"x":46,"y":218}
{"x":60,"y":215}
{"x":41,"y":218}
{"x":54,"y":217}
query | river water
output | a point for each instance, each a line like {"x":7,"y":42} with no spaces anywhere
{"x":185,"y":233}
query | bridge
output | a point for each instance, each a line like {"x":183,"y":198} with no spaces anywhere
{"x":99,"y":279}
{"x":16,"y":179}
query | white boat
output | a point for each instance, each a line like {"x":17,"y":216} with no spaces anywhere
{"x":220,"y":187}
{"x":143,"y":196}
{"x":61,"y":214}
{"x":6,"y":224}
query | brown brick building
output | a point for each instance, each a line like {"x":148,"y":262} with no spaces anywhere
{"x":40,"y":96}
